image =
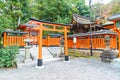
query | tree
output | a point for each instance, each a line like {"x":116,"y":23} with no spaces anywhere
{"x":98,"y":11}
{"x":51,"y":12}
{"x":115,"y":6}
{"x":15,"y":12}
{"x":83,"y":8}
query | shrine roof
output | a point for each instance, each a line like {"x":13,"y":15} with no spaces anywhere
{"x":16,"y":32}
{"x":29,"y":25}
{"x":114,"y":17}
{"x":81,"y":19}
{"x":108,"y":23}
{"x":94,"y":33}
{"x":54,"y":35}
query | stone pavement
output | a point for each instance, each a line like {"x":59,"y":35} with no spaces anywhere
{"x":77,"y":69}
{"x":47,"y":54}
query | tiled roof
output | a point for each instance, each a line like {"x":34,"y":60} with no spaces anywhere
{"x":94,"y":33}
{"x":17,"y":32}
{"x":108,"y":23}
{"x":81,"y":19}
{"x":30,"y":25}
{"x":54,"y":35}
{"x":114,"y":17}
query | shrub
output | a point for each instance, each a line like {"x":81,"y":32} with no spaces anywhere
{"x":8,"y":56}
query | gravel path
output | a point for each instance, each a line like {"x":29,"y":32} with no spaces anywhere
{"x":77,"y":69}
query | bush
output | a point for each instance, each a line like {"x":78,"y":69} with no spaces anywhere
{"x":8,"y":56}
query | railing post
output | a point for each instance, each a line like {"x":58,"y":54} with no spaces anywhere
{"x":116,"y":42}
{"x":4,"y":39}
{"x":48,"y":41}
{"x":119,"y":43}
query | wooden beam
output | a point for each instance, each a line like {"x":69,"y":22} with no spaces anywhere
{"x":55,"y":30}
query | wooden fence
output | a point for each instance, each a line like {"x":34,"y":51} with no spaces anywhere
{"x":97,"y":43}
{"x":14,"y":40}
{"x":82,"y":42}
{"x":19,"y":40}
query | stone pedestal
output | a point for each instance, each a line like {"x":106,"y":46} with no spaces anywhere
{"x":61,"y":48}
{"x":27,"y":54}
{"x":61,"y":51}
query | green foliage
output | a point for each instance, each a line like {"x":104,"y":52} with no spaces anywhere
{"x":52,"y":11}
{"x":14,"y":11}
{"x":97,"y":11}
{"x":11,"y":11}
{"x":8,"y":56}
{"x":83,"y":9}
{"x":115,"y":6}
{"x":79,"y":54}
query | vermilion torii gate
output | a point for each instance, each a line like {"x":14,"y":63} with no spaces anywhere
{"x":54,"y":27}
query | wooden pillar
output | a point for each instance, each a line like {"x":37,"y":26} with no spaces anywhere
{"x":40,"y":61}
{"x":4,"y":39}
{"x":65,"y":44}
{"x":119,"y":43}
{"x":116,"y":45}
{"x":88,"y":42}
{"x":48,"y":37}
{"x":37,"y":37}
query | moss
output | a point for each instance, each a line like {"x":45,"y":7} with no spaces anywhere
{"x":78,"y":54}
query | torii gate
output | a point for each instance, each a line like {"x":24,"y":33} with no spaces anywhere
{"x":48,"y":26}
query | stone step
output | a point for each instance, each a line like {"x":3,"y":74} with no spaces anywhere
{"x":45,"y":53}
{"x":55,"y":51}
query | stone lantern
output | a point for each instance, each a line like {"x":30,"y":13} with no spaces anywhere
{"x":61,"y":48}
{"x":107,"y":42}
{"x":108,"y":55}
{"x":27,"y":49}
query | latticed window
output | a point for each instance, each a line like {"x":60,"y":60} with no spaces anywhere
{"x":118,"y":24}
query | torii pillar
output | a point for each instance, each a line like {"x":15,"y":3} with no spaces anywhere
{"x":40,"y":60}
{"x":41,"y":29}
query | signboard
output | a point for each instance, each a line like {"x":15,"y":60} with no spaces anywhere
{"x":74,"y":39}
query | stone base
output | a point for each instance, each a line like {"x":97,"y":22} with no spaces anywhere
{"x":39,"y":67}
{"x":66,"y":61}
{"x":107,"y":55}
{"x":40,"y":62}
{"x":61,"y":55}
{"x":116,"y":60}
{"x":66,"y":58}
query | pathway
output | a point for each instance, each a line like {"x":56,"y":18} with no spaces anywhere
{"x":77,"y":69}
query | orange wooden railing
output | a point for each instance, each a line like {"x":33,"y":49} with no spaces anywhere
{"x":19,"y":40}
{"x":97,"y":43}
{"x":82,"y":42}
{"x":14,"y":40}
{"x":51,"y":41}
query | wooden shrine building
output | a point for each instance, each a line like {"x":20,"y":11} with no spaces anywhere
{"x":81,"y":24}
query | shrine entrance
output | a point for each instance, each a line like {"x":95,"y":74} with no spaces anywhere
{"x":54,"y":27}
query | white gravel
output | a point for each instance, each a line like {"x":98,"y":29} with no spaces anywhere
{"x":77,"y":69}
